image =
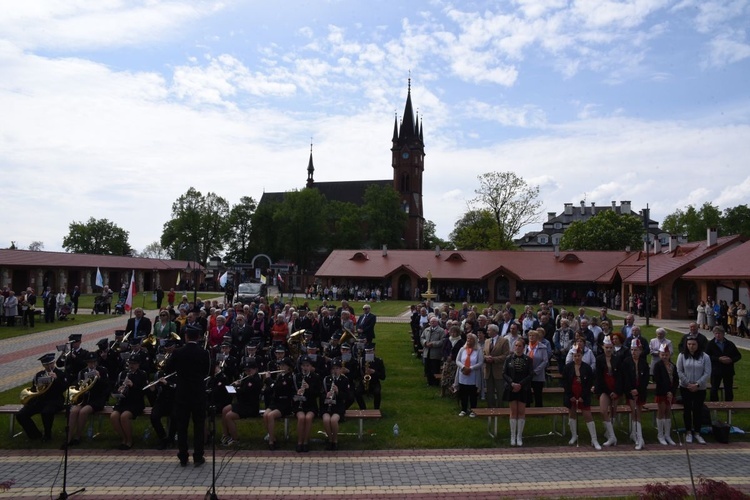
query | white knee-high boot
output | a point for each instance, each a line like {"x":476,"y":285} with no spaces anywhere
{"x":639,"y":436}
{"x":573,"y":431}
{"x":660,"y":428}
{"x":513,"y":425}
{"x":592,"y":431}
{"x":519,"y":438}
{"x":611,"y":436}
{"x":668,"y":432}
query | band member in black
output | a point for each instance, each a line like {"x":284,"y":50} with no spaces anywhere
{"x":373,"y":372}
{"x":307,"y":384}
{"x":130,"y":401}
{"x":72,"y":361}
{"x":109,"y":359}
{"x":353,"y":371}
{"x":50,"y":384}
{"x":282,"y":392}
{"x":164,"y":399}
{"x":94,"y":391}
{"x":192,"y":364}
{"x":249,"y":388}
{"x":336,"y":393}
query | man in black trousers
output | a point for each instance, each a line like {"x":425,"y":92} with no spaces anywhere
{"x":192,"y":364}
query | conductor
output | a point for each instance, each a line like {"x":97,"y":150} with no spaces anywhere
{"x":192,"y":364}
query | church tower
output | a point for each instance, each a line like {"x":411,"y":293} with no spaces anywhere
{"x":408,"y":167}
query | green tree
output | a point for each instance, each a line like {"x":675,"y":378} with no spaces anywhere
{"x":693,"y":222}
{"x":604,"y":231}
{"x":736,"y":220}
{"x":476,"y":230}
{"x":345,"y":219}
{"x":154,"y":250}
{"x":98,"y":237}
{"x":300,"y":226}
{"x":512,"y":202}
{"x":264,"y":237}
{"x":198,"y":227}
{"x":239,"y":230}
{"x":431,"y":239}
{"x":36,"y":246}
{"x":383,"y":218}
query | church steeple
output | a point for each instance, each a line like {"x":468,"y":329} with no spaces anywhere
{"x":310,"y":169}
{"x":408,"y":167}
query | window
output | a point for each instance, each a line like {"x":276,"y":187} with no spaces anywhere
{"x":558,"y":225}
{"x":542,"y":239}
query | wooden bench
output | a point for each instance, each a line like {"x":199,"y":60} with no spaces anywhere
{"x":11,"y":411}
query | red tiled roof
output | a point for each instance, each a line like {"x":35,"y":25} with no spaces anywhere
{"x":732,"y":264}
{"x":27,"y":258}
{"x":682,"y":259}
{"x":471,"y":265}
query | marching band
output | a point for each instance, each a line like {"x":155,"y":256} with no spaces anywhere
{"x":256,"y":368}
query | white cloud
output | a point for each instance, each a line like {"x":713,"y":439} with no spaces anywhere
{"x":80,"y":24}
{"x":727,"y":48}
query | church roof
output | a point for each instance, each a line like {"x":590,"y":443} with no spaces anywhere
{"x":344,"y":191}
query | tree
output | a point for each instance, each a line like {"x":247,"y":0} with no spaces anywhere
{"x":736,"y":220}
{"x":383,"y":217}
{"x":512,"y":202}
{"x":604,"y":231}
{"x":263,"y":232}
{"x":154,"y":251}
{"x":476,"y":230}
{"x":300,"y":225}
{"x":691,"y":222}
{"x":98,"y":237}
{"x":239,"y":230}
{"x":198,"y":228}
{"x":346,"y":221}
{"x":36,"y":246}
{"x":430,"y":238}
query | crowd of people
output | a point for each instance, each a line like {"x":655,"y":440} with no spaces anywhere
{"x":239,"y":361}
{"x":54,"y":306}
{"x":730,"y":315}
{"x":497,"y":355}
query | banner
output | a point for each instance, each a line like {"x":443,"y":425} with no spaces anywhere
{"x":99,"y":279}
{"x":131,"y":293}
{"x":223,"y":279}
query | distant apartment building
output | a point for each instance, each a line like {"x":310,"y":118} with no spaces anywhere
{"x":552,"y":230}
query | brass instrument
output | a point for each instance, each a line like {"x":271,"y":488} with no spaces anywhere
{"x":295,"y":343}
{"x":122,"y":391}
{"x":366,"y":377}
{"x":42,"y":385}
{"x":75,"y":393}
{"x":174,"y":336}
{"x":347,"y":337}
{"x":149,"y":341}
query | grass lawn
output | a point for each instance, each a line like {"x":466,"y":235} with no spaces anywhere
{"x":424,"y":418}
{"x":41,"y":326}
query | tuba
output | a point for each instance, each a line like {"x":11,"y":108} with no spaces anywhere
{"x":347,"y":337}
{"x":149,"y":341}
{"x":295,"y":343}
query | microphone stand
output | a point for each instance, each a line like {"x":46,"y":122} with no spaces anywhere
{"x":211,"y":493}
{"x":64,"y":494}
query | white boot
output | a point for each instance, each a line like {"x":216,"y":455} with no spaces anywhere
{"x":668,"y":432}
{"x":513,"y":424}
{"x":573,"y":431}
{"x":611,"y":436}
{"x":592,"y":431}
{"x":639,"y":436}
{"x":519,"y":438}
{"x":660,"y":428}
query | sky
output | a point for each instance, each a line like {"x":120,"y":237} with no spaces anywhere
{"x":114,"y":108}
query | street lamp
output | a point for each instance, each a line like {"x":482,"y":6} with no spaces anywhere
{"x":193,"y":272}
{"x":647,"y":239}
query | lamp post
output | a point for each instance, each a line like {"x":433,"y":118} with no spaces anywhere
{"x":193,"y":272}
{"x":647,"y":239}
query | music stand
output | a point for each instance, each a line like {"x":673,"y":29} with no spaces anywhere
{"x":64,"y":493}
{"x":211,"y":493}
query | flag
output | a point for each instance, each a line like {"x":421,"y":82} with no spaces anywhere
{"x":99,"y":279}
{"x":178,"y":279}
{"x":131,"y":293}
{"x":263,"y":279}
{"x":281,"y":280}
{"x":223,"y":279}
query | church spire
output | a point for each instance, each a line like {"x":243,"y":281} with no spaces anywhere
{"x":310,"y":169}
{"x":407,"y":123}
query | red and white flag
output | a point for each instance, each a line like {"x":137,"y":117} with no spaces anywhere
{"x":278,"y":277}
{"x":131,"y":293}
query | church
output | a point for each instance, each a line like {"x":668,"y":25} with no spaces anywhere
{"x":407,"y":160}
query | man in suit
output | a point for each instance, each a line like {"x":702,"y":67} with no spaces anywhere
{"x":139,"y":324}
{"x":724,"y":354}
{"x":496,"y":349}
{"x":74,"y":296}
{"x":192,"y":364}
{"x":366,"y":324}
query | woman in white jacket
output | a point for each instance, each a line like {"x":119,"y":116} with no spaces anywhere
{"x":469,"y":362}
{"x":694,"y":371}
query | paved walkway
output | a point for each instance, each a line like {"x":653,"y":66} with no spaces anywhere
{"x":493,"y":473}
{"x":486,"y":473}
